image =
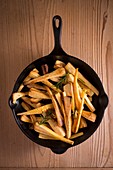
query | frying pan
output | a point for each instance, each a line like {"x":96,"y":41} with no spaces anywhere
{"x":100,"y":102}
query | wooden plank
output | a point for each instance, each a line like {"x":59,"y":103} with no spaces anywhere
{"x":56,"y":168}
{"x":25,"y":35}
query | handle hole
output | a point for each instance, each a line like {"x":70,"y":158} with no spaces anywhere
{"x":57,"y":23}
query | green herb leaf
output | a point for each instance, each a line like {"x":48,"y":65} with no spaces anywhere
{"x":46,"y":117}
{"x":61,"y":81}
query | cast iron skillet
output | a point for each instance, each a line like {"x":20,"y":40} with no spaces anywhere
{"x":99,"y":102}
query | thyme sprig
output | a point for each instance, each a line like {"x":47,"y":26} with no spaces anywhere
{"x":46,"y":117}
{"x":61,"y":81}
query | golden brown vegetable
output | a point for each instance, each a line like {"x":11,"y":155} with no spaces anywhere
{"x":54,"y":125}
{"x":38,"y":110}
{"x":44,"y":136}
{"x":25,"y":118}
{"x":49,"y":132}
{"x":76,"y":90}
{"x":83,"y":123}
{"x":89,"y":115}
{"x":59,"y":64}
{"x":28,"y":107}
{"x":47,"y":83}
{"x":27,"y":100}
{"x":58,"y":72}
{"x":60,"y":102}
{"x":67,"y":105}
{"x":57,"y":110}
{"x":17,"y":95}
{"x":80,"y":112}
{"x":37,"y":94}
{"x":20,"y":88}
{"x":35,"y":100}
{"x":76,"y":135}
{"x":36,"y":86}
{"x":70,"y":68}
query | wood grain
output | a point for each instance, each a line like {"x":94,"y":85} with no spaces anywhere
{"x":25,"y":35}
{"x":56,"y":168}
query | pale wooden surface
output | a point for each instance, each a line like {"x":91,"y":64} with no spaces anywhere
{"x":25,"y":35}
{"x":56,"y":168}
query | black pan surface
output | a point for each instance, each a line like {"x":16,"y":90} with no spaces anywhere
{"x":100,"y":102}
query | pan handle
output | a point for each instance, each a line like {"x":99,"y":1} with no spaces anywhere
{"x":57,"y":26}
{"x":12,"y":106}
{"x":59,"y":150}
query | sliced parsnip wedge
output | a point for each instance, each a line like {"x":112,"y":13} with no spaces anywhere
{"x":74,"y":121}
{"x":21,"y":87}
{"x":57,"y":110}
{"x":87,"y":83}
{"x":88,"y":91}
{"x":59,"y":64}
{"x":68,"y":89}
{"x":44,"y":136}
{"x":83,"y":123}
{"x":47,"y":83}
{"x":27,"y":100}
{"x":89,"y":115}
{"x":52,"y":133}
{"x":35,"y":70}
{"x":74,"y":124}
{"x":89,"y":104}
{"x":35,"y":100}
{"x":87,"y":101}
{"x":17,"y":95}
{"x":37,"y":128}
{"x":80,"y":112}
{"x":28,"y":107}
{"x":67,"y":105}
{"x":25,"y":106}
{"x":70,"y":78}
{"x":76,"y":90}
{"x":36,"y":86}
{"x":37,"y":94}
{"x":26,"y":79}
{"x":33,"y":74}
{"x":59,"y":100}
{"x":38,"y":110}
{"x":71,"y":69}
{"x":54,"y":125}
{"x":44,"y":68}
{"x":76,"y":135}
{"x":56,"y":73}
{"x":73,"y":107}
{"x":26,"y":119}
{"x":55,"y":79}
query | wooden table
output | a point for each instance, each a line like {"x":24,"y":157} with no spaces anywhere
{"x":25,"y":35}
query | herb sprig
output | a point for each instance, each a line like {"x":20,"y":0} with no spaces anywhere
{"x":62,"y":81}
{"x":46,"y":117}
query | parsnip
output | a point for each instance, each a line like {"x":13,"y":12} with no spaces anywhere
{"x":58,"y":72}
{"x":67,"y":104}
{"x":71,"y":69}
{"x":80,"y":112}
{"x":38,"y":110}
{"x":18,"y":95}
{"x":37,"y":94}
{"x":49,"y":132}
{"x":57,"y":110}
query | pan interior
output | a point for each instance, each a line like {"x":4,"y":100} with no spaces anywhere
{"x":88,"y":72}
